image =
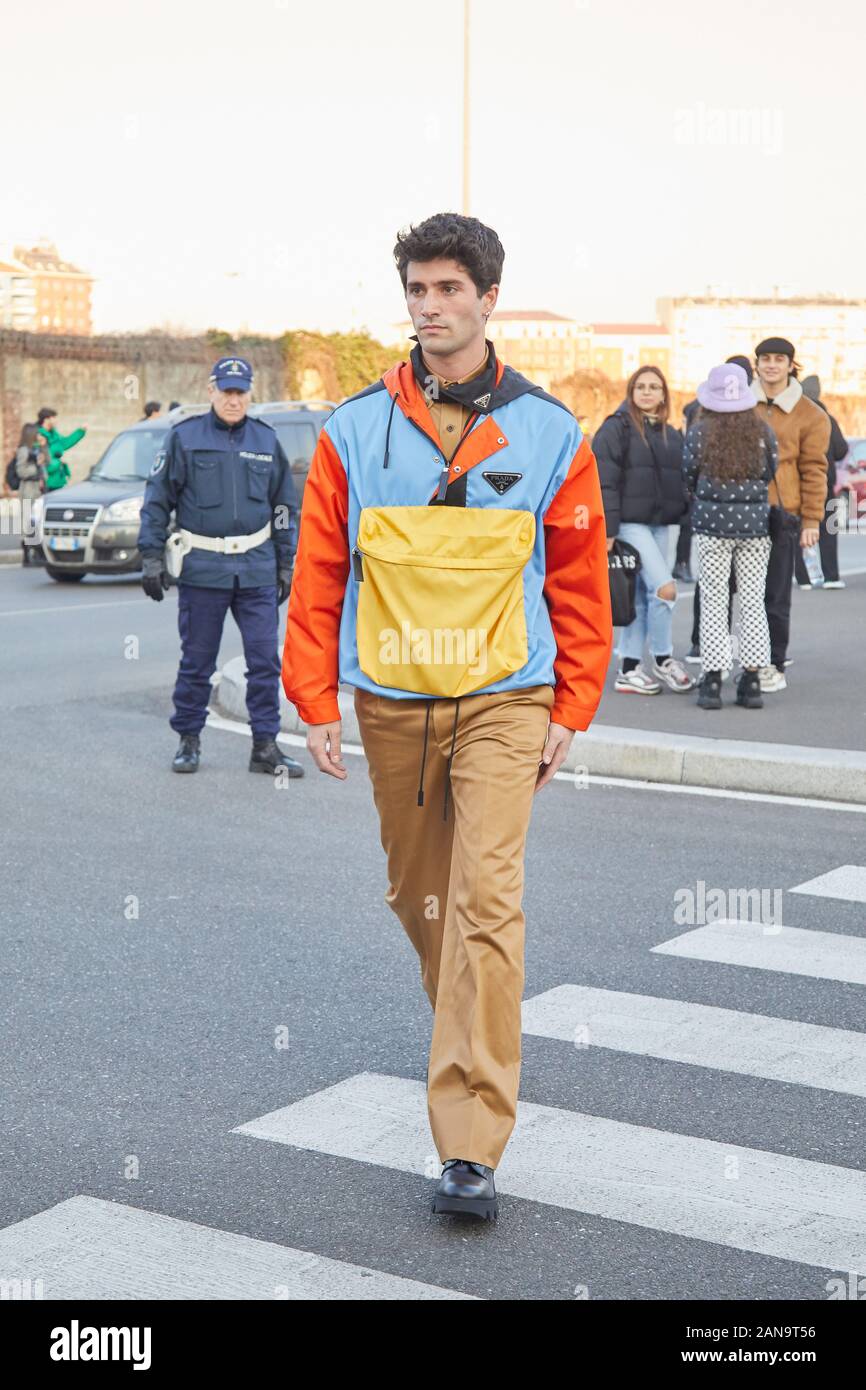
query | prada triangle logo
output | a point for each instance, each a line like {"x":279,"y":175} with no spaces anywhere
{"x":482,"y":401}
{"x":501,"y":482}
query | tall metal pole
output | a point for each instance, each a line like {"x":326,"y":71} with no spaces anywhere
{"x":466,"y":5}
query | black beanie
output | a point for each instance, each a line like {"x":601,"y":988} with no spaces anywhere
{"x":775,"y":345}
{"x":744,"y":363}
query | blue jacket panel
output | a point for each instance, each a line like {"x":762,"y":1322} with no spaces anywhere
{"x":223,"y":480}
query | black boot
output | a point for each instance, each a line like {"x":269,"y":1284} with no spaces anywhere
{"x":186,"y":759}
{"x":466,"y":1189}
{"x":749,"y":690}
{"x":710,"y":690}
{"x":268,"y":757}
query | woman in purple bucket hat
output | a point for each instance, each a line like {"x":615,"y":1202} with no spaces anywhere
{"x":729,"y":457}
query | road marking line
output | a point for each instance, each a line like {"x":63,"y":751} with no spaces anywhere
{"x":790,"y":950}
{"x":700,"y":1035}
{"x":67,"y":608}
{"x":848,"y":882}
{"x":87,"y":1248}
{"x":748,"y":1199}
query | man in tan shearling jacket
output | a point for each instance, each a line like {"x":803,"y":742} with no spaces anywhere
{"x":803,"y":432}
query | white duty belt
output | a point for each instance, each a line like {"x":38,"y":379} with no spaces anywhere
{"x":181,"y":542}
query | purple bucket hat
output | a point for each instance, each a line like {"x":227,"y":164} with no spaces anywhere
{"x":726,"y":390}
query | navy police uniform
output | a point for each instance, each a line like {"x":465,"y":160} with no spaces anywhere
{"x":225,"y":480}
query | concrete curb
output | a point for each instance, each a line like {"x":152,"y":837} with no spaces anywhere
{"x":783,"y":769}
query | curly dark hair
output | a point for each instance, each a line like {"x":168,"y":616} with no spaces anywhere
{"x":450,"y":235}
{"x":731,"y":445}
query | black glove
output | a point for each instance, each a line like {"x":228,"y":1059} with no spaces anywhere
{"x":154,"y":579}
{"x":284,"y":584}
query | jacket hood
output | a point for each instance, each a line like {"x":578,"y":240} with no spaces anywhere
{"x":496,"y":387}
{"x":812,"y":387}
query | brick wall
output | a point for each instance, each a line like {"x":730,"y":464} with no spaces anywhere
{"x":103,"y":382}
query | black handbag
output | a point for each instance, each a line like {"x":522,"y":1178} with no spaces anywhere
{"x":623,"y":564}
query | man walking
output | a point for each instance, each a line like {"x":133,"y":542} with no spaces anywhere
{"x":799,"y":488}
{"x":454,"y":491}
{"x":230,"y":484}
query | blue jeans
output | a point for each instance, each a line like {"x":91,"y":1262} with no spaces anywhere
{"x":200,"y":617}
{"x":654,"y":616}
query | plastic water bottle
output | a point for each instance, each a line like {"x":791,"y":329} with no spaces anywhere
{"x":812,"y":561}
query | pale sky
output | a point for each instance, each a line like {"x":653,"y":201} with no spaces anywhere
{"x":218,"y":163}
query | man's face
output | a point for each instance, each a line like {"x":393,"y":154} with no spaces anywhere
{"x":231,"y":405}
{"x":773,"y":368}
{"x":444,"y":305}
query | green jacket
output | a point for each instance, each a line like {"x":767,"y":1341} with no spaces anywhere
{"x":57,"y":472}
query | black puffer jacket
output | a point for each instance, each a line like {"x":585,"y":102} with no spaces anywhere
{"x":641,"y":480}
{"x":735,"y":510}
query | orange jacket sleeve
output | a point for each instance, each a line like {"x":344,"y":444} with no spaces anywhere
{"x":577,"y":590}
{"x":311,"y":661}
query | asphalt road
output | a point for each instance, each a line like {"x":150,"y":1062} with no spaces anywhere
{"x":160,"y":932}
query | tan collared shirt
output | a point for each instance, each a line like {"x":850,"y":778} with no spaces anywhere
{"x":449,"y":417}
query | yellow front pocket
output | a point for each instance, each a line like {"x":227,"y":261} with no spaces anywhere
{"x":440,"y":596}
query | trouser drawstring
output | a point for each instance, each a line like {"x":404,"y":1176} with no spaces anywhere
{"x":450,"y":757}
{"x":424,"y":755}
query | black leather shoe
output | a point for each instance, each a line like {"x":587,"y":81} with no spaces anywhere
{"x":268,"y":757}
{"x":186,"y":759}
{"x":466,"y":1189}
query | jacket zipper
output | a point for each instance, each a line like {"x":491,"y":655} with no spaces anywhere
{"x":234,"y":478}
{"x":443,"y":476}
{"x":357,"y":553}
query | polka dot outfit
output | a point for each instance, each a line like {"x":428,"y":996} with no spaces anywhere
{"x":749,"y":558}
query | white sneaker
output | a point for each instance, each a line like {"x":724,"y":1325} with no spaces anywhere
{"x":636,"y":682}
{"x":803,"y":586}
{"x":675,"y":676}
{"x":834,"y":584}
{"x":771,"y":679}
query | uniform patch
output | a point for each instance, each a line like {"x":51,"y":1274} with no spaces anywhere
{"x":158,"y":463}
{"x":501,"y":482}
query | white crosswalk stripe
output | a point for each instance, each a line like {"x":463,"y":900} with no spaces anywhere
{"x":847,"y":882}
{"x":750,"y":1199}
{"x":807,"y":1054}
{"x":793,"y":950}
{"x":86,"y":1248}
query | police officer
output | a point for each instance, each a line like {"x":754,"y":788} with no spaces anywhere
{"x":229,"y":483}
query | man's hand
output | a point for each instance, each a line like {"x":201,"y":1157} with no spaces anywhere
{"x":610,"y":541}
{"x":809,"y":536}
{"x":154,"y":579}
{"x":323,"y":742}
{"x":554,"y":753}
{"x":284,"y":584}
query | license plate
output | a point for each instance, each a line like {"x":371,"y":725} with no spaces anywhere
{"x":65,"y":543}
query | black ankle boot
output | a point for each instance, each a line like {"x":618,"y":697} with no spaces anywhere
{"x":710,"y":690}
{"x":268,"y":757}
{"x":186,"y":759}
{"x":749,"y":690}
{"x":466,"y":1189}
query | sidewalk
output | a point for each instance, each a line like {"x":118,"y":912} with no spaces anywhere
{"x":809,"y":740}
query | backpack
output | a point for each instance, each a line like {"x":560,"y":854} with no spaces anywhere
{"x":13,"y":481}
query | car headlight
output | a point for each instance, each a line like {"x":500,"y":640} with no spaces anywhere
{"x":125,"y":510}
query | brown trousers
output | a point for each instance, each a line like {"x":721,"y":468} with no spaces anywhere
{"x":456,"y":884}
